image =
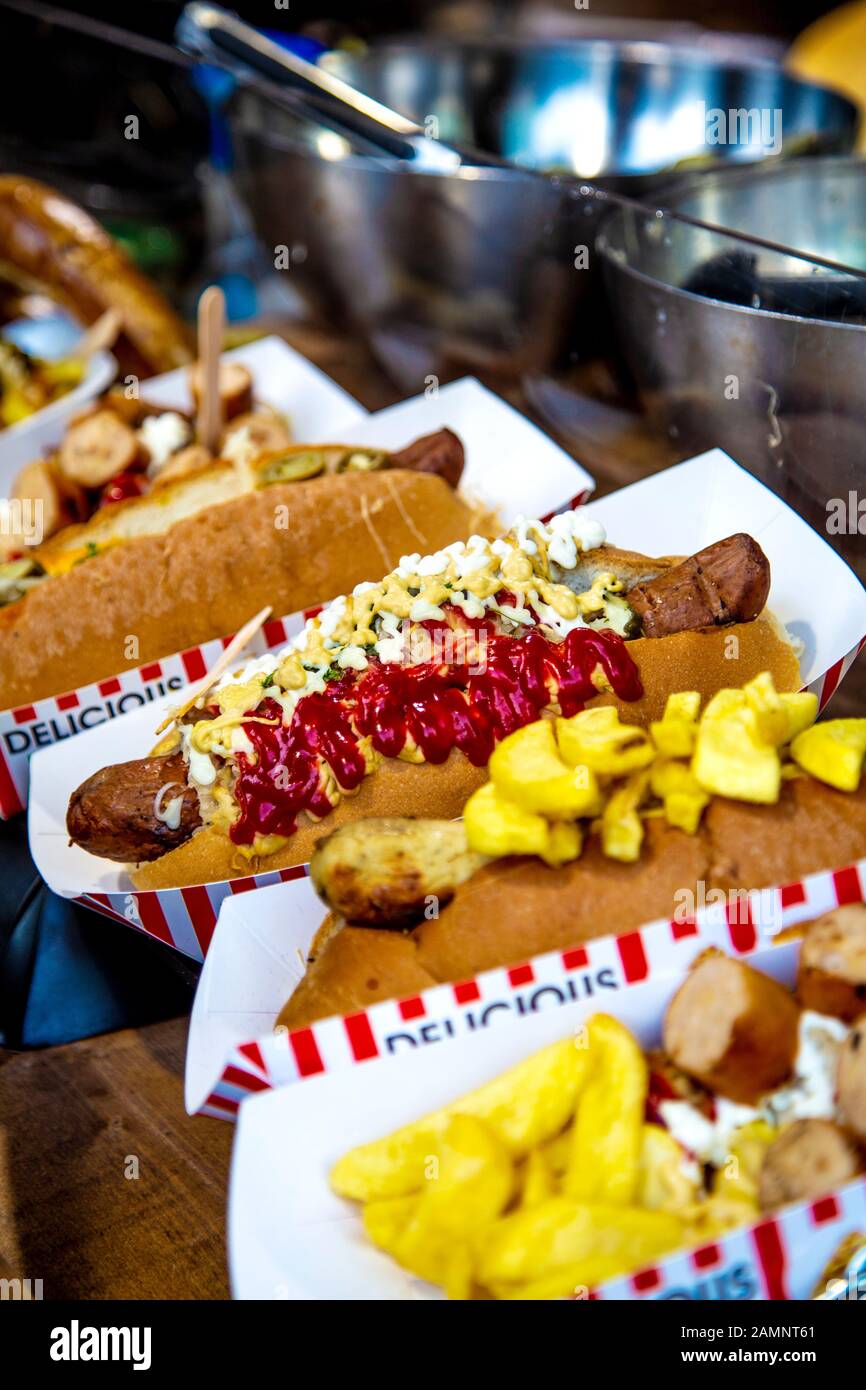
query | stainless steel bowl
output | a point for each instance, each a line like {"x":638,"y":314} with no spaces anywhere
{"x":477,"y":266}
{"x":732,"y":343}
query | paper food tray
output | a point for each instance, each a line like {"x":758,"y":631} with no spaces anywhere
{"x":290,"y":1237}
{"x":38,"y":433}
{"x":687,"y":506}
{"x":511,"y":466}
{"x":262,"y":939}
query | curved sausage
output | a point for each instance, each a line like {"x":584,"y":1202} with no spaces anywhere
{"x":832,"y":973}
{"x":113,"y":813}
{"x":59,"y":501}
{"x":809,"y":1158}
{"x":441,"y":452}
{"x":381,"y":872}
{"x":732,"y":1028}
{"x":728,"y":582}
{"x":851,"y":1079}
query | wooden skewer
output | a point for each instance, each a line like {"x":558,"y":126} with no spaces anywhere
{"x":211,"y":327}
{"x":223,"y":662}
{"x":100,"y":335}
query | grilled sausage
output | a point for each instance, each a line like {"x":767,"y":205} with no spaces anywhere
{"x":732,"y":1028}
{"x":97,"y":448}
{"x":832,"y":974}
{"x":235,"y":389}
{"x":727,"y":583}
{"x":57,"y":502}
{"x":851,"y":1079}
{"x":113,"y":813}
{"x":440,"y":453}
{"x":383,"y":872}
{"x":809,"y":1158}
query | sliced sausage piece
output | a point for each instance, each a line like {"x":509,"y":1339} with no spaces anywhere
{"x":728,"y":582}
{"x":832,"y":974}
{"x":440,"y":453}
{"x":383,"y":872}
{"x":852,"y":1079}
{"x":235,"y":387}
{"x":58,"y":503}
{"x":113,"y":813}
{"x":809,"y":1158}
{"x":248,"y":436}
{"x":98,"y":448}
{"x":732,"y":1028}
{"x":191,"y":459}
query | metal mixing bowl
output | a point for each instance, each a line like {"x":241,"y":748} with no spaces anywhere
{"x":735,"y":344}
{"x":477,"y":266}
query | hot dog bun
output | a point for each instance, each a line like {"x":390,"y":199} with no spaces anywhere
{"x":517,"y":908}
{"x":706,"y":661}
{"x":208,"y":573}
{"x":51,"y":245}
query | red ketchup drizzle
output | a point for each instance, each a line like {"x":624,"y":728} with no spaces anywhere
{"x":659,"y":1089}
{"x":512,"y":682}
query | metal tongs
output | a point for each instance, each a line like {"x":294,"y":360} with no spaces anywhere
{"x":217,"y":36}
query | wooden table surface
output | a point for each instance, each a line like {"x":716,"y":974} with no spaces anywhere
{"x":107,"y":1188}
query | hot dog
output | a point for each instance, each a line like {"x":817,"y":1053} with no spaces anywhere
{"x":195,"y":556}
{"x":514,"y":905}
{"x":432,"y":666}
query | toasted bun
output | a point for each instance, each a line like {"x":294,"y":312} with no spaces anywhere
{"x":358,"y":968}
{"x":686,"y":661}
{"x":517,"y":908}
{"x":707,"y":661}
{"x":211,"y":572}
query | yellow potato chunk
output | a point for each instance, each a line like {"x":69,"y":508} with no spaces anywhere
{"x":738,"y":1177}
{"x":681,"y":794}
{"x":731,"y":759}
{"x":569,"y":1245}
{"x":596,"y":739}
{"x":604,"y":1162}
{"x":524,"y":1107}
{"x":538,"y":1180}
{"x":564,"y":844}
{"x":470,"y":1182}
{"x":497,"y":826}
{"x":833,"y":752}
{"x":780,"y":717}
{"x":666,"y":1181}
{"x":621,"y":826}
{"x":526,"y":767}
{"x":674,"y":735}
{"x":715,"y":1216}
{"x":387,"y":1219}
